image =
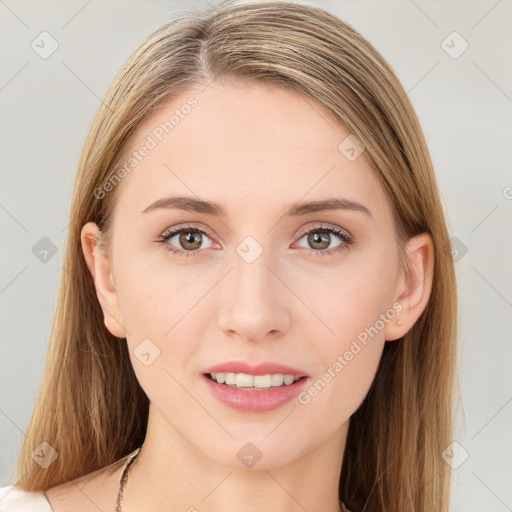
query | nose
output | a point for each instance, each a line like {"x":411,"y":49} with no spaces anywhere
{"x":254,"y":301}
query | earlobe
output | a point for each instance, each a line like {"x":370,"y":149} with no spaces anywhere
{"x":101,"y":272}
{"x":414,"y":285}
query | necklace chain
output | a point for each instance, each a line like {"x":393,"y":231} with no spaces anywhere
{"x":124,"y":477}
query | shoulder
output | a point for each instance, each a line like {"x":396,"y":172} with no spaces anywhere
{"x":16,"y":499}
{"x":89,"y":493}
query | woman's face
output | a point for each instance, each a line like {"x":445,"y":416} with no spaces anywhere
{"x":256,"y":283}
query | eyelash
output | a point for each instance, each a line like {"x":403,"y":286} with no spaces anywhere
{"x":344,"y":237}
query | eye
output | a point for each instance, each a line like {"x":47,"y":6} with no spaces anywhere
{"x":188,"y":238}
{"x":320,"y":238}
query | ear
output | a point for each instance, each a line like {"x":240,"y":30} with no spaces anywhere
{"x":413,"y":287}
{"x":100,"y":269}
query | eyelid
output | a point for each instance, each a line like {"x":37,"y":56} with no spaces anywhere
{"x":185,"y":226}
{"x":323,"y":225}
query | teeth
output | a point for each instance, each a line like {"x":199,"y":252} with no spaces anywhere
{"x":244,"y":380}
{"x":230,"y":378}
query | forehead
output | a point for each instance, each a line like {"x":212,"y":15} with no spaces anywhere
{"x":243,"y":142}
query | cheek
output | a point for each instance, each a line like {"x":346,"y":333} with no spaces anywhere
{"x":153,"y":294}
{"x":164,"y":314}
{"x":354,"y":308}
{"x":348,"y":357}
{"x":337,"y":392}
{"x":161,"y":331}
{"x":348,"y":297}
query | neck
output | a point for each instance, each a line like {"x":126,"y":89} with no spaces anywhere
{"x":173,"y":473}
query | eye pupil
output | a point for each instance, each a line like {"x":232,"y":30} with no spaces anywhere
{"x":187,"y":237}
{"x":314,"y":238}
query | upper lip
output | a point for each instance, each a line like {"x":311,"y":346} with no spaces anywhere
{"x":264,"y":368}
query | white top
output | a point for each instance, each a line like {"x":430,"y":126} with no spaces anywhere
{"x":16,"y":499}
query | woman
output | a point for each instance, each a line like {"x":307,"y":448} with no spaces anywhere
{"x":258,"y":309}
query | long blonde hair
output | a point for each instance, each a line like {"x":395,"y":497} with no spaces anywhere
{"x":91,"y":408}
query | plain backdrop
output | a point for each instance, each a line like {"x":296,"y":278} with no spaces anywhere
{"x":463,"y":97}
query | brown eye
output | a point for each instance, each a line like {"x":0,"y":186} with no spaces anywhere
{"x":319,"y":239}
{"x":185,"y":241}
{"x":190,"y":240}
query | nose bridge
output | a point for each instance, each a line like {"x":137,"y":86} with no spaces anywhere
{"x":250,"y":301}
{"x":252,"y":277}
{"x":251,"y":259}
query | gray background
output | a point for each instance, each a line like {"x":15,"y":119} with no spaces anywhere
{"x":464,"y":104}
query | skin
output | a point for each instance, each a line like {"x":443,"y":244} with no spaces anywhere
{"x":256,"y":150}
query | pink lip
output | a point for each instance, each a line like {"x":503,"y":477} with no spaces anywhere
{"x":259,"y":369}
{"x":255,"y":401}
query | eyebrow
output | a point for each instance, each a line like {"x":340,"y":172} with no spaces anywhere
{"x":210,"y":208}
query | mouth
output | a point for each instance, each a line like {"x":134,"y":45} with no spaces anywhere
{"x":254,"y":393}
{"x":254,"y":387}
{"x":249,"y":382}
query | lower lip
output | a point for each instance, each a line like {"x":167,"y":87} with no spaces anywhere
{"x":255,"y":401}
